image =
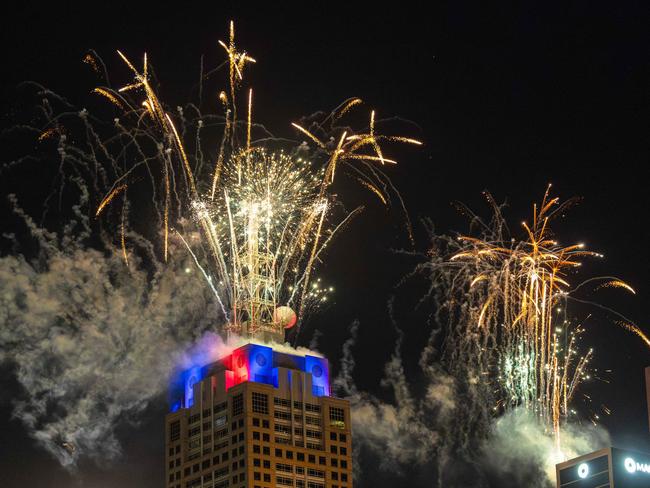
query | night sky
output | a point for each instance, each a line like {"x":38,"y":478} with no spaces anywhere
{"x":506,"y":98}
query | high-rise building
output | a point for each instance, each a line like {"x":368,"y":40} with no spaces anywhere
{"x":258,"y":418}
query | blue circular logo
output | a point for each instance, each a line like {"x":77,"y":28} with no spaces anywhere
{"x":317,"y":371}
{"x":260,"y":359}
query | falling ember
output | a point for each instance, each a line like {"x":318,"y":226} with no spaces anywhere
{"x":108,"y":198}
{"x":635,"y":330}
{"x":617,"y":284}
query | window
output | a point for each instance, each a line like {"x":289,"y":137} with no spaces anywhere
{"x":344,"y":476}
{"x":282,"y":440}
{"x":278,"y":453}
{"x":344,"y":464}
{"x":220,"y":473}
{"x":332,"y":436}
{"x":311,"y":445}
{"x":312,"y":458}
{"x":256,"y":435}
{"x":256,"y":449}
{"x":297,"y":430}
{"x":283,"y":429}
{"x":193,"y":483}
{"x":257,"y":463}
{"x":316,"y":473}
{"x":312,"y":407}
{"x":266,"y":451}
{"x":266,"y":437}
{"x":257,"y":476}
{"x":194,"y":418}
{"x":300,"y":470}
{"x":195,"y":431}
{"x":280,"y":415}
{"x":321,"y":460}
{"x":285,"y":468}
{"x":335,"y":475}
{"x":265,"y":424}
{"x":312,"y":420}
{"x":333,"y":449}
{"x":335,"y":462}
{"x":267,"y":478}
{"x":300,"y":456}
{"x":289,"y":454}
{"x":297,"y":405}
{"x":343,"y":437}
{"x":205,"y":464}
{"x":337,"y":414}
{"x":266,"y":464}
{"x":241,"y":436}
{"x":206,"y":413}
{"x":220,"y":407}
{"x":220,"y":421}
{"x":256,"y":422}
{"x":344,"y":451}
{"x":260,"y":403}
{"x":224,"y":456}
{"x":175,"y":431}
{"x":237,"y":404}
{"x":313,"y":434}
{"x":171,"y":451}
{"x":221,"y":445}
{"x":281,"y":480}
{"x":281,"y":402}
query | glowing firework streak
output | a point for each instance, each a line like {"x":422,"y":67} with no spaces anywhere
{"x":116,"y":191}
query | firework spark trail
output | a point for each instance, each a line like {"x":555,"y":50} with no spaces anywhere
{"x":506,"y":295}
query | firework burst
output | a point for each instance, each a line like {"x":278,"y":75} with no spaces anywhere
{"x":505,"y":301}
{"x":265,"y":216}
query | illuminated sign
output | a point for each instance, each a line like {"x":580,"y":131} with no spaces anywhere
{"x":583,"y":470}
{"x":632,"y":466}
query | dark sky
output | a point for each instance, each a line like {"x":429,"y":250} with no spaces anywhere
{"x":506,"y":98}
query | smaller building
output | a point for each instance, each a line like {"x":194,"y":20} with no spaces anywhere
{"x":606,"y":468}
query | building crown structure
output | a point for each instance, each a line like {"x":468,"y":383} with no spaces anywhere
{"x":258,"y":418}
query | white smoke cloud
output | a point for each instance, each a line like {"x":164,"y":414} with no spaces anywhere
{"x":92,"y":341}
{"x":415,"y":432}
{"x":519,"y":448}
{"x":398,"y":433}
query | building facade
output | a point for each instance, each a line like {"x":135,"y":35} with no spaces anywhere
{"x":258,"y":418}
{"x":606,"y":468}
